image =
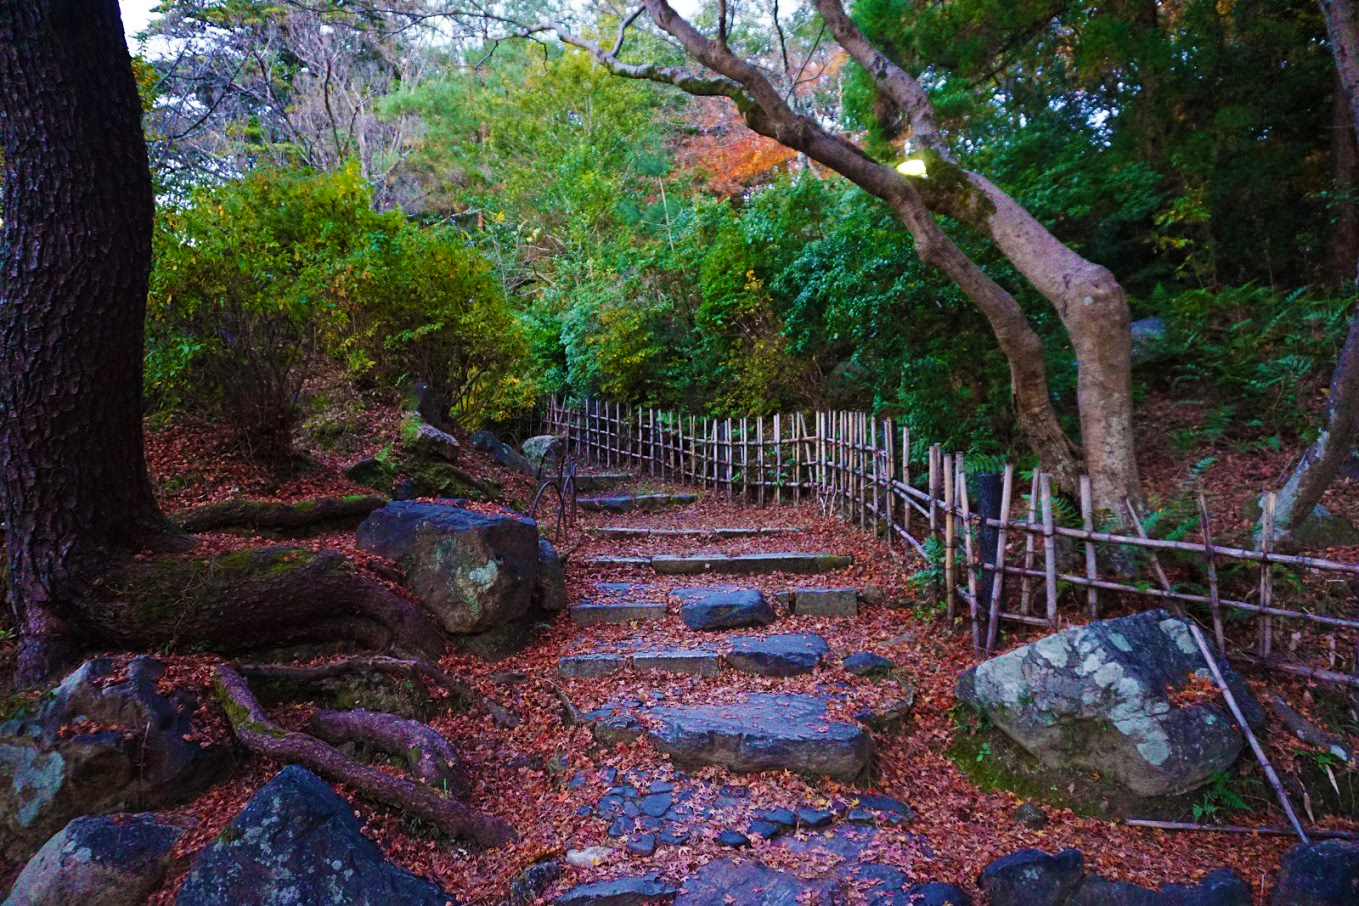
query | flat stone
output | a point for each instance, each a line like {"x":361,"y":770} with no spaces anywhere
{"x":595,"y":614}
{"x":866,"y":663}
{"x":642,"y":503}
{"x":618,"y":561}
{"x":590,"y":666}
{"x":887,"y":809}
{"x":674,"y":836}
{"x":766,"y":829}
{"x":602,"y":481}
{"x":610,"y":731}
{"x":738,"y":532}
{"x":814,"y":817}
{"x":1221,"y":888}
{"x":783,"y":817}
{"x":826,"y":602}
{"x":777,"y":655}
{"x":764,"y":733}
{"x":644,"y":845}
{"x":682,"y":661}
{"x":734,"y":839}
{"x":720,"y":608}
{"x":619,"y":892}
{"x":749,"y":883}
{"x":750,"y":564}
{"x":657,"y":804}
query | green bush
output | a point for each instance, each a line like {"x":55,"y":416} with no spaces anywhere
{"x":257,"y":281}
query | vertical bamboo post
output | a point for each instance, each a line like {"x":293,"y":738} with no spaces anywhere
{"x":1088,"y":523}
{"x":998,"y":577}
{"x":821,"y":482}
{"x":799,"y":442}
{"x":759,"y":458}
{"x":1266,"y":573}
{"x":875,"y":506}
{"x":934,"y":490}
{"x":1049,"y":549}
{"x":731,"y":463}
{"x":889,"y":470}
{"x":1030,"y":522}
{"x":861,"y":465}
{"x":745,"y":460}
{"x":1210,"y":563}
{"x":946,"y":467}
{"x":970,"y":574}
{"x":778,"y":458}
{"x":906,"y":480}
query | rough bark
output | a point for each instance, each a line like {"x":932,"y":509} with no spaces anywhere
{"x":268,"y":515}
{"x":257,"y":598}
{"x":75,"y":254}
{"x":260,"y":735}
{"x":1320,"y":464}
{"x":427,"y":755}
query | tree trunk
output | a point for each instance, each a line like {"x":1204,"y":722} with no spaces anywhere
{"x":76,"y":254}
{"x":1320,"y":464}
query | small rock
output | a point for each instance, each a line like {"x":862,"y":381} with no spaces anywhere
{"x":674,"y":836}
{"x":814,"y":817}
{"x":873,"y":595}
{"x":1031,"y":816}
{"x":657,"y":804}
{"x":643,"y":846}
{"x":866,"y":663}
{"x":530,"y":883}
{"x":610,"y":731}
{"x":620,"y":827}
{"x":780,"y":816}
{"x":1319,"y":874}
{"x":589,"y":857}
{"x":734,"y":839}
{"x":893,"y":811}
{"x":765,"y":829}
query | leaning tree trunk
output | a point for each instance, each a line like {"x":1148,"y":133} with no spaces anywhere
{"x":75,"y":254}
{"x":1321,"y":463}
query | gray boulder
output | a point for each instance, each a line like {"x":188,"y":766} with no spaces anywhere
{"x":1095,"y":698}
{"x":474,"y":572}
{"x":764,"y":733}
{"x":423,"y":439}
{"x":544,"y":453}
{"x":296,"y":843}
{"x":754,"y":884}
{"x":107,"y":861}
{"x":1319,"y":874}
{"x":502,"y":453}
{"x":139,"y":751}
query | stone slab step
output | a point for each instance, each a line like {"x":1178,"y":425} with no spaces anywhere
{"x":750,"y":564}
{"x":622,"y":531}
{"x":641,"y":503}
{"x":622,"y":612}
{"x":778,"y":656}
{"x":618,"y":561}
{"x":764,"y":733}
{"x":825,"y":602}
{"x":723,"y":608}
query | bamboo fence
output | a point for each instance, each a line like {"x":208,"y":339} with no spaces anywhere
{"x":859,"y":468}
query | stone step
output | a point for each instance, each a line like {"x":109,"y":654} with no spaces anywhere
{"x":824,"y":602}
{"x":750,"y":564}
{"x":777,"y":656}
{"x":764,"y":733}
{"x":639,"y":503}
{"x":622,"y":531}
{"x":723,"y":608}
{"x":618,"y":602}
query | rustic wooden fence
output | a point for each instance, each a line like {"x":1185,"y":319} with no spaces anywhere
{"x":859,"y":468}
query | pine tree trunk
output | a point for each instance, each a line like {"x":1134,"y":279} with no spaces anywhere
{"x":75,"y":254}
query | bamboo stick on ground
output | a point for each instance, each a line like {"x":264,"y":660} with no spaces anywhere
{"x":1227,"y":696}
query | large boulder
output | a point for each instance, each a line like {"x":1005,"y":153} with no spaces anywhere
{"x":474,"y":572}
{"x":297,"y":843}
{"x":551,"y":591}
{"x":107,"y":861}
{"x":1031,"y":877}
{"x":502,"y":453}
{"x":1319,"y":874}
{"x":1097,"y":698}
{"x":544,"y":453}
{"x":139,"y":750}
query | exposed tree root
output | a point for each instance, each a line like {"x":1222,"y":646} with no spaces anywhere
{"x":267,"y":515}
{"x":257,"y":598}
{"x":257,"y":733}
{"x":366,"y":665}
{"x":427,"y":755}
{"x":571,"y":715}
